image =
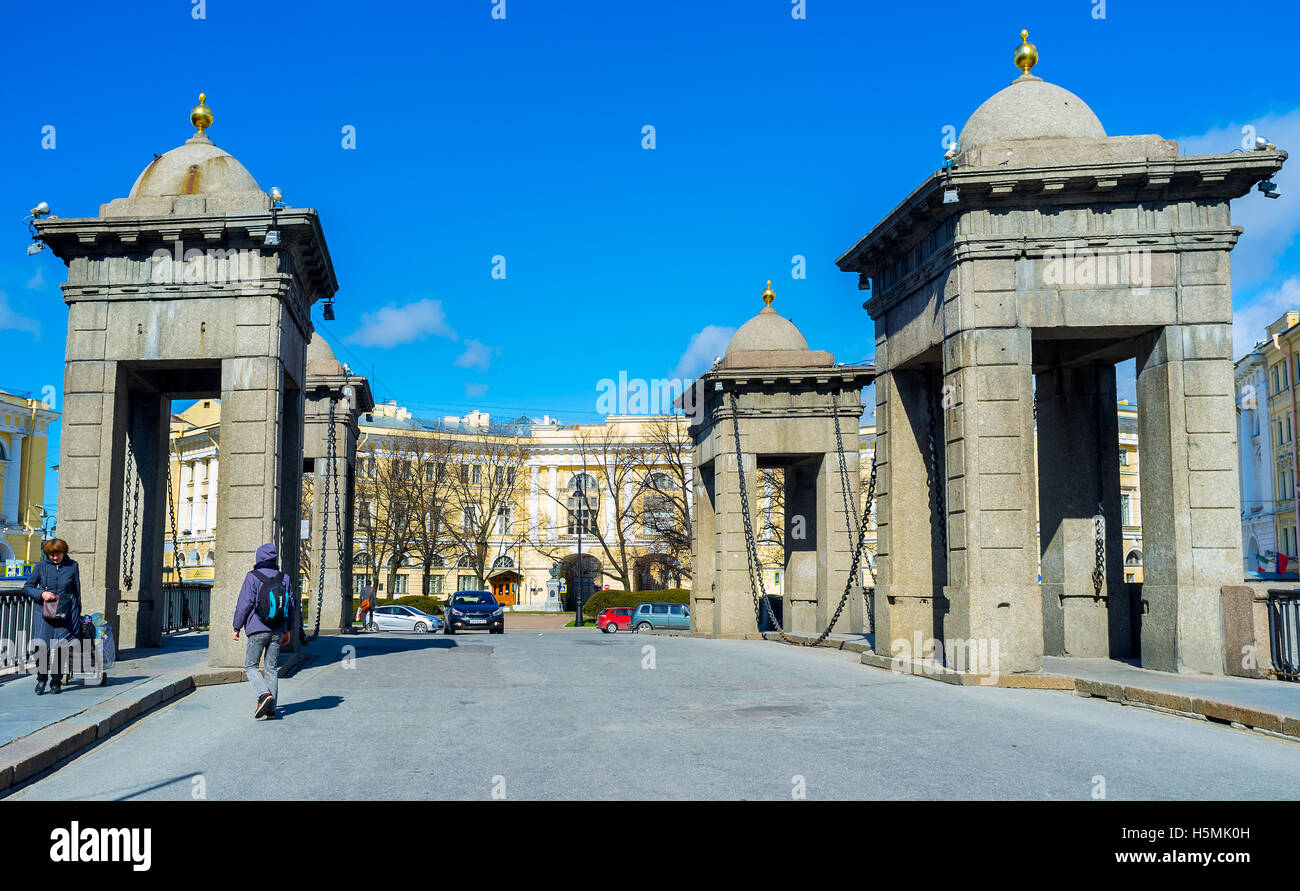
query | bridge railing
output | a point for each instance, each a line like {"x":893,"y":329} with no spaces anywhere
{"x":186,"y":606}
{"x":15,"y":630}
{"x":1284,"y":631}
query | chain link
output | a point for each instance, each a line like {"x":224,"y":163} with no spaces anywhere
{"x":756,"y":586}
{"x":131,"y":507}
{"x":1099,"y":521}
{"x":331,"y":489}
{"x":851,"y":525}
{"x":936,"y":482}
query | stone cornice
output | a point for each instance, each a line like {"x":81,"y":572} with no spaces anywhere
{"x":300,"y":235}
{"x":1189,"y":177}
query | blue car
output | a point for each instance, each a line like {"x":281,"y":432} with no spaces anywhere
{"x":653,"y":616}
{"x":474,"y":611}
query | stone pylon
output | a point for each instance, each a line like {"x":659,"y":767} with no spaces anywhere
{"x":1042,"y":255}
{"x":786,"y":400}
{"x":195,"y":285}
{"x":335,"y":398}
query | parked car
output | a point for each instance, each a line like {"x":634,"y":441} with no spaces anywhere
{"x":474,"y":611}
{"x":403,"y":618}
{"x":614,"y":619}
{"x":652,"y":616}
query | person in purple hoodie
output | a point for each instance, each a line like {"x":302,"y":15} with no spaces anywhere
{"x":264,"y":640}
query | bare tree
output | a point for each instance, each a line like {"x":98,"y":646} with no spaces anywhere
{"x":607,"y":509}
{"x":485,"y":482}
{"x":664,"y":502}
{"x":383,"y":511}
{"x":428,"y":492}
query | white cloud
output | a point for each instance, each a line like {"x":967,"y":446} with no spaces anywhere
{"x":705,"y":346}
{"x":1249,"y":322}
{"x":12,"y":321}
{"x":1271,"y":225}
{"x":476,"y":355}
{"x":395,"y":325}
{"x":37,"y":281}
{"x":474,"y":391}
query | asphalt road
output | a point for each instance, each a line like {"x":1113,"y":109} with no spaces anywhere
{"x":583,"y":716}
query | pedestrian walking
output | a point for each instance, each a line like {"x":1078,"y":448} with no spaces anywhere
{"x":55,"y":586}
{"x":267,"y":611}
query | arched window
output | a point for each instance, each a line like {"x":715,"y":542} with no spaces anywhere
{"x":584,"y":501}
{"x":362,"y":560}
{"x":437,"y":562}
{"x":467,"y":562}
{"x":1134,"y":558}
{"x":503,"y":562}
{"x":212,"y":558}
{"x":4,"y":453}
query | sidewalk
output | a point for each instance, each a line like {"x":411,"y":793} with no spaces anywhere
{"x":37,"y":732}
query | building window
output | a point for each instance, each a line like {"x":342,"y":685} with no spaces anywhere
{"x":503,"y":521}
{"x":1123,"y":457}
{"x":400,"y":584}
{"x":466,"y":583}
{"x":1125,"y":509}
{"x":584,"y":497}
{"x":433,"y":584}
{"x":477,"y":474}
{"x":469,"y":520}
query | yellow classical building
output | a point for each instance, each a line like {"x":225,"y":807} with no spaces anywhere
{"x":192,"y":468}
{"x":24,"y":432}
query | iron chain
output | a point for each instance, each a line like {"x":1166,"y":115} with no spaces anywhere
{"x":331,"y":489}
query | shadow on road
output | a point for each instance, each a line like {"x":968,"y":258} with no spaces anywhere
{"x":320,"y":703}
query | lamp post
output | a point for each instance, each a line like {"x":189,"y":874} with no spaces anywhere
{"x":582,"y":570}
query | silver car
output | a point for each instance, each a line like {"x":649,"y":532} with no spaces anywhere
{"x":403,"y":618}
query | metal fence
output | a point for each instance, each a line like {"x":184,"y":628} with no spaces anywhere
{"x":1284,"y":631}
{"x":186,"y":606}
{"x":15,"y":630}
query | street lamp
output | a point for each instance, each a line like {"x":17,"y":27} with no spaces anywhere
{"x":582,"y":572}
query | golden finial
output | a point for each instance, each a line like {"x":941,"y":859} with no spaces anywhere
{"x":769,"y":295}
{"x":201,"y":115}
{"x":1026,"y":54}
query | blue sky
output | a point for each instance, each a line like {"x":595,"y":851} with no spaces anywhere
{"x":478,"y":137}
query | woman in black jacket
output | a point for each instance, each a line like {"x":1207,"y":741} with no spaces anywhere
{"x":58,"y":579}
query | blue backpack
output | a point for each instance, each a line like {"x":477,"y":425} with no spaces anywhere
{"x":272,"y":601}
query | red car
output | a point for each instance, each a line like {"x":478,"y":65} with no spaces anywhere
{"x":614,"y":619}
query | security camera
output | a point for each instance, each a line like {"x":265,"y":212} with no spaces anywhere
{"x":276,"y":195}
{"x":951,"y":154}
{"x":1270,"y":189}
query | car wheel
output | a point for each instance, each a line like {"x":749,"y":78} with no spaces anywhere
{"x":420,"y":628}
{"x":645,"y":626}
{"x":610,"y":628}
{"x":372,"y":627}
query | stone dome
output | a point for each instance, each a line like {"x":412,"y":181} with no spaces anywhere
{"x":319,"y":351}
{"x":195,"y":168}
{"x":769,"y":330}
{"x":1030,"y":108}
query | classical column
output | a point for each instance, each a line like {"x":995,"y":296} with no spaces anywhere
{"x":13,"y":477}
{"x":212,"y":493}
{"x":1191,"y":529}
{"x":995,"y":600}
{"x":553,"y":488}
{"x":532,"y":504}
{"x":185,"y":497}
{"x":1078,"y":451}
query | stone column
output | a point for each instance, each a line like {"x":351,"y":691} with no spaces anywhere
{"x":995,"y":601}
{"x":910,"y":561}
{"x":252,"y":440}
{"x":1078,"y":448}
{"x":733,"y":607}
{"x":1190,"y":519}
{"x":703,"y":584}
{"x":13,"y":477}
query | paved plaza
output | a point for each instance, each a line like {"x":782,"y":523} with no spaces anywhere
{"x":565,"y":715}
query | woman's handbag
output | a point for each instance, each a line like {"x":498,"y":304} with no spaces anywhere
{"x":55,"y":612}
